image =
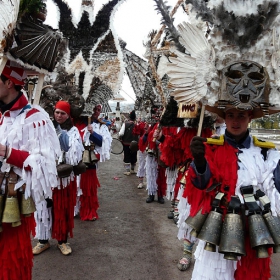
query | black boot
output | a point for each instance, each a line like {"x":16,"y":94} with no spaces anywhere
{"x":170,"y":215}
{"x":150,"y":199}
{"x":160,"y":200}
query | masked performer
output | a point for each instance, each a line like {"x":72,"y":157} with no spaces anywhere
{"x":28,"y":150}
{"x":234,"y":180}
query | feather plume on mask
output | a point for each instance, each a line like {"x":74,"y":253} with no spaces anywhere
{"x":190,"y":74}
{"x":240,"y":36}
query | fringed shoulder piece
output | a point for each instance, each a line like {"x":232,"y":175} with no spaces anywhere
{"x":263,"y":144}
{"x":216,"y":141}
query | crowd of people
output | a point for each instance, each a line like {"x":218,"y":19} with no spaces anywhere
{"x":53,"y":163}
{"x":48,"y":162}
{"x":213,"y":172}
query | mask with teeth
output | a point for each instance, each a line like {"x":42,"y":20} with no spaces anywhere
{"x":245,"y":85}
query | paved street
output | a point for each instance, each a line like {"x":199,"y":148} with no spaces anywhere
{"x":132,"y":240}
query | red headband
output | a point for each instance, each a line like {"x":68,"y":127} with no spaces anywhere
{"x":98,"y":106}
{"x":64,"y":106}
{"x":14,"y":72}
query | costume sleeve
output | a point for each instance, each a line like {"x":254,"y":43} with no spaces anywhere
{"x":64,"y":141}
{"x":96,"y":139}
{"x":201,"y":180}
{"x":17,"y":158}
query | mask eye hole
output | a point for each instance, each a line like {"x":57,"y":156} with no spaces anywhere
{"x":234,"y":76}
{"x":257,"y":78}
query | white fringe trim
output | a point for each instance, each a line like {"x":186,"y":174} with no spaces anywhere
{"x":141,"y":172}
{"x":36,"y":135}
{"x":151,"y":174}
{"x":253,"y":170}
{"x":171,"y":176}
{"x":212,"y":265}
{"x":43,"y":218}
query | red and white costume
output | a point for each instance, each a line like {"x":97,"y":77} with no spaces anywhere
{"x":64,"y":196}
{"x":234,"y":168}
{"x":34,"y":148}
{"x":89,"y":204}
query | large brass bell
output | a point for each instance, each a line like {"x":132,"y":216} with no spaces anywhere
{"x":211,"y":231}
{"x":11,"y":211}
{"x":64,"y":170}
{"x":232,"y":243}
{"x":93,"y":157}
{"x":196,"y":222}
{"x":182,"y":169}
{"x":79,"y":168}
{"x":183,"y":181}
{"x":273,"y":224}
{"x":27,"y":206}
{"x":260,"y":237}
{"x":86,"y":156}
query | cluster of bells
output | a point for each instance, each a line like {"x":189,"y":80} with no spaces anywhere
{"x":228,"y":233}
{"x":64,"y":170}
{"x":11,"y":210}
{"x":89,"y":156}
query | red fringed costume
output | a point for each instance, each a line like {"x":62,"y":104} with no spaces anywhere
{"x":89,"y":184}
{"x":16,"y":259}
{"x":175,"y":149}
{"x":89,"y":200}
{"x":64,"y":201}
{"x":222,"y":161}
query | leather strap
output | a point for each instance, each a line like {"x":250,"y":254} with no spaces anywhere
{"x":12,"y":180}
{"x":217,"y":200}
{"x":250,"y":201}
{"x":234,"y":205}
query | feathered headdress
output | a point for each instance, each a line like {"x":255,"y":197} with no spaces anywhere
{"x":231,"y":55}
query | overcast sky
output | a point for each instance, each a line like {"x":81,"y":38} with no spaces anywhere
{"x":132,"y":22}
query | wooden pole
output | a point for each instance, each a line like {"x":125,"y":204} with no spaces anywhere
{"x":3,"y":63}
{"x":39,"y":89}
{"x":201,"y":120}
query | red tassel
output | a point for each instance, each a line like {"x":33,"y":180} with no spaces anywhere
{"x":89,"y":198}
{"x":250,"y":267}
{"x":64,"y":201}
{"x":161,"y":181}
{"x":16,"y":258}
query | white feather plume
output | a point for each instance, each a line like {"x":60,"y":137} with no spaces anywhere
{"x":9,"y":12}
{"x":190,"y":74}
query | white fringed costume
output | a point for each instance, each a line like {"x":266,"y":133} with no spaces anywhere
{"x":151,"y":174}
{"x":64,"y":196}
{"x":73,"y":156}
{"x":32,"y":131}
{"x":102,"y":130}
{"x":141,"y":172}
{"x":252,"y":170}
{"x":171,"y":176}
{"x":34,"y":148}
